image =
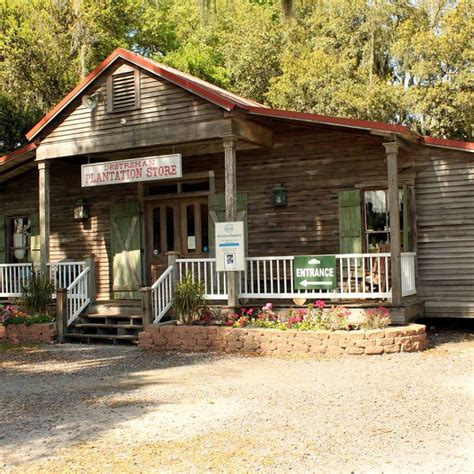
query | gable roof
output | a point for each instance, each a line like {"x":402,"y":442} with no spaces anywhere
{"x":229,"y":101}
{"x":225,"y":99}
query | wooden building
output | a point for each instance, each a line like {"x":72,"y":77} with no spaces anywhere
{"x":396,"y":208}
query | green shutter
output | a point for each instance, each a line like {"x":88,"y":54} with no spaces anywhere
{"x":125,"y":250}
{"x":217,"y":204}
{"x":406,"y":219}
{"x":35,"y":246}
{"x":2,"y":240}
{"x":350,"y":222}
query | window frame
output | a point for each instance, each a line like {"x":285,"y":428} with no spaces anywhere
{"x":9,"y":244}
{"x":366,"y":232}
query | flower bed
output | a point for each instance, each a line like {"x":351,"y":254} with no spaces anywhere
{"x":315,"y":316}
{"x":263,"y":341}
{"x":18,"y":327}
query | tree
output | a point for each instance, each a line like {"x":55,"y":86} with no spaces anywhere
{"x":393,"y":60}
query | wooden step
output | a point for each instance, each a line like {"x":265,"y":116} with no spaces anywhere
{"x":112,"y":316}
{"x":108,"y":326}
{"x":104,"y":337}
{"x":122,"y":307}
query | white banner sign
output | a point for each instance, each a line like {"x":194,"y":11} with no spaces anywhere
{"x":230,"y":247}
{"x":151,"y":168}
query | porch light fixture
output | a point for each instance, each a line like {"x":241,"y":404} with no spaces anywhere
{"x":279,"y":198}
{"x":81,"y":210}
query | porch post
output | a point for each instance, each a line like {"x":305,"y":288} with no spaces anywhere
{"x":391,"y":149}
{"x":44,"y":214}
{"x":231,"y":211}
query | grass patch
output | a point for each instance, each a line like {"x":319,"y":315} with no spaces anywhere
{"x":6,"y":346}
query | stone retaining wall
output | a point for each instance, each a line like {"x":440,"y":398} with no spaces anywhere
{"x":409,"y":338}
{"x":21,"y":333}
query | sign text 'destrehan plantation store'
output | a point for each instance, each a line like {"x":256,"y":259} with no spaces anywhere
{"x":314,"y":272}
{"x":132,"y":171}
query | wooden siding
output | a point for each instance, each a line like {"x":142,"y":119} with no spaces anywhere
{"x":313,"y":167}
{"x":445,"y":228}
{"x":71,"y":239}
{"x":76,"y":240}
{"x":161,"y":103}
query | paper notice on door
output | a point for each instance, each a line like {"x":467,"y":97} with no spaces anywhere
{"x":191,"y":242}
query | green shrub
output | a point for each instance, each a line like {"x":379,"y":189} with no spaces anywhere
{"x":188,"y":299}
{"x":37,"y":293}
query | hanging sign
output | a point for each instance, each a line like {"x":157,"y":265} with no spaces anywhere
{"x":314,"y":272}
{"x":230,"y":247}
{"x":152,"y":168}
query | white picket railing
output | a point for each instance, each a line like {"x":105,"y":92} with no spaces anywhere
{"x":162,"y":295}
{"x":359,"y":276}
{"x":64,"y":273}
{"x":12,"y":277}
{"x":407,"y":261}
{"x":78,"y":295}
{"x":204,"y":269}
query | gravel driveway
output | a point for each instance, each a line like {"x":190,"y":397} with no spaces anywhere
{"x":78,"y":408}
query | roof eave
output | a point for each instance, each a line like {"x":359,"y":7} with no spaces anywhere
{"x":326,"y":120}
{"x":448,"y":144}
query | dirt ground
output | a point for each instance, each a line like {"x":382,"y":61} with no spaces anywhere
{"x":104,"y":409}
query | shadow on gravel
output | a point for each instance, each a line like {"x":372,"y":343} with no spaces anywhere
{"x":449,"y":333}
{"x":55,"y":396}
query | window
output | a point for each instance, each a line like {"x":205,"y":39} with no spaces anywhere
{"x":123,"y":91}
{"x":185,"y":185}
{"x":19,"y":231}
{"x":377,"y":219}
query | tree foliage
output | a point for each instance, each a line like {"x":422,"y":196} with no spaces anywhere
{"x":400,"y":61}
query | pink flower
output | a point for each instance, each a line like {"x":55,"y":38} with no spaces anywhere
{"x":267,"y":307}
{"x":320,"y":304}
{"x":250,"y":312}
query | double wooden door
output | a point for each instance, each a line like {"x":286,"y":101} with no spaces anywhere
{"x":176,"y":225}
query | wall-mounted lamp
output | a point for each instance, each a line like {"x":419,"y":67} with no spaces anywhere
{"x":279,"y":198}
{"x":81,"y":210}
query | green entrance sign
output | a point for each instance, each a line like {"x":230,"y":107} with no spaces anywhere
{"x":314,"y":272}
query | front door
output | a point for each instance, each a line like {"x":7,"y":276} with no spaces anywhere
{"x":177,"y":225}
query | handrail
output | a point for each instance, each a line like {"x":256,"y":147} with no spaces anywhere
{"x":162,"y":295}
{"x":64,"y":273}
{"x":77,"y":296}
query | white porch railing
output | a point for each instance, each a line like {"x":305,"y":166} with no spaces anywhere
{"x":407,"y":261}
{"x":74,"y":276}
{"x":64,"y":273}
{"x":78,"y":295}
{"x":12,"y":277}
{"x":204,"y":269}
{"x":162,"y":295}
{"x":359,"y":276}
